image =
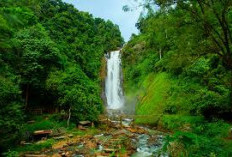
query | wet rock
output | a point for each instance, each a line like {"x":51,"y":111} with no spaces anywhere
{"x":100,"y":147}
{"x":127,"y":122}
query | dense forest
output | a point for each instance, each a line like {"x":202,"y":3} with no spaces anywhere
{"x":177,"y":78}
{"x":50,"y":59}
{"x":179,"y":68}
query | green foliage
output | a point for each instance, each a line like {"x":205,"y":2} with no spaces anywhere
{"x":38,"y":54}
{"x":204,"y":140}
{"x":11,"y":115}
{"x":190,"y":44}
{"x":199,"y":68}
{"x":44,"y":122}
{"x":176,"y":122}
{"x":76,"y":91}
{"x":152,"y":98}
{"x":11,"y":154}
{"x":50,"y":58}
{"x":201,"y":80}
{"x":37,"y":146}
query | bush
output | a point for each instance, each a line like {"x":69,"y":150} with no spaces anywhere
{"x":204,"y":138}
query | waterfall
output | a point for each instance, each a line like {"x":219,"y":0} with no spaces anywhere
{"x":113,"y":85}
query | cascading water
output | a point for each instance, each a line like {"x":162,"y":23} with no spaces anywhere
{"x":113,"y":86}
{"x":115,"y":102}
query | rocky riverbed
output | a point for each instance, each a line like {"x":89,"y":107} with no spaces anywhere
{"x":111,"y":138}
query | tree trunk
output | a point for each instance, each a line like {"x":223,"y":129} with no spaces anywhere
{"x":166,"y":34}
{"x":69,"y":116}
{"x":160,"y":53}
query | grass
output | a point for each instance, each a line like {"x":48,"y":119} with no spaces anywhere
{"x":36,"y":146}
{"x":89,"y":131}
{"x":152,"y":99}
{"x":178,"y":122}
{"x":44,"y":122}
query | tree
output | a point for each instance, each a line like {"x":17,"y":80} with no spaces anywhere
{"x":37,"y":55}
{"x":11,"y":114}
{"x":77,"y":93}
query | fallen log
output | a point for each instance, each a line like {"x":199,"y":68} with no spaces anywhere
{"x":42,"y":132}
{"x":84,"y":123}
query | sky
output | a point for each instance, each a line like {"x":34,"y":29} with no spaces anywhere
{"x":111,"y":10}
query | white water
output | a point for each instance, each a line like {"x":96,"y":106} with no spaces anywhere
{"x":113,"y":86}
